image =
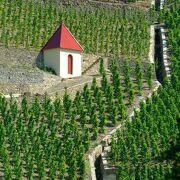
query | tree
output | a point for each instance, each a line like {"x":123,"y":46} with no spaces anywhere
{"x":83,"y":119}
{"x":114,"y":115}
{"x":81,"y":161}
{"x":134,"y":154}
{"x":122,"y":108}
{"x":103,"y":121}
{"x":101,"y":67}
{"x":131,"y":95}
{"x":86,"y":140}
{"x":128,"y":82}
{"x":53,"y":170}
{"x":18,"y":170}
{"x":62,"y":167}
{"x":113,"y":152}
{"x":95,"y":121}
{"x":145,"y":171}
{"x":7,"y":172}
{"x":123,"y":172}
{"x":59,"y":109}
{"x":104,"y":83}
{"x":126,"y":71}
{"x":24,"y":105}
{"x":94,"y":84}
{"x":30,"y":165}
{"x":149,"y":75}
{"x":138,"y":71}
{"x":72,"y":170}
{"x":36,"y":107}
{"x":95,"y":132}
{"x":169,"y":171}
{"x":66,"y":101}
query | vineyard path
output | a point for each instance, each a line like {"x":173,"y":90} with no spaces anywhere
{"x":71,"y":83}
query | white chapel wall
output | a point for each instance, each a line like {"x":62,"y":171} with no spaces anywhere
{"x":64,"y":63}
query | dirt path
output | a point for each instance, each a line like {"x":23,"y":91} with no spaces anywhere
{"x":72,"y":85}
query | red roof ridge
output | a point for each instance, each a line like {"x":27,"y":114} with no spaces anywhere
{"x":63,"y":38}
{"x":72,"y":35}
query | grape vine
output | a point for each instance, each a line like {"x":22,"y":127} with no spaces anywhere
{"x":29,"y":24}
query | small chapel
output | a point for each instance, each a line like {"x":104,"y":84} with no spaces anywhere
{"x":63,"y":53}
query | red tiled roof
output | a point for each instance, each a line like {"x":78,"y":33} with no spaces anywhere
{"x":63,"y":38}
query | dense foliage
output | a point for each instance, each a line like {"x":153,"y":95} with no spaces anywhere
{"x":149,"y":146}
{"x":79,"y":2}
{"x":31,"y":23}
{"x":35,"y":141}
{"x":170,"y":16}
{"x":140,"y":148}
{"x":49,"y":139}
{"x":87,"y":2}
{"x":118,"y":1}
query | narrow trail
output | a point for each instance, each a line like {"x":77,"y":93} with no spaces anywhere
{"x":71,"y":83}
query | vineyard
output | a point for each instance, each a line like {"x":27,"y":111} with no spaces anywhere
{"x":141,"y":148}
{"x":35,"y":138}
{"x":29,"y":24}
{"x":80,"y":2}
{"x":51,"y":139}
{"x":148,"y":147}
{"x":170,"y":16}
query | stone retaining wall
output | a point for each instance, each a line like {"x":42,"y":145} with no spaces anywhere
{"x":72,"y":90}
{"x":18,"y":66}
{"x":19,"y":76}
{"x":106,"y":140}
{"x":165,"y":55}
{"x":99,"y":150}
{"x":132,"y":65}
{"x":94,"y":70}
{"x":152,"y":42}
{"x":109,"y":172}
{"x":88,"y":59}
{"x":11,"y":56}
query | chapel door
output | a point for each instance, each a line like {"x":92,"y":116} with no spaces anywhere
{"x":70,"y":64}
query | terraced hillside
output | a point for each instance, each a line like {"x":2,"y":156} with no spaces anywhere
{"x":149,"y":146}
{"x":43,"y":138}
{"x":29,"y":24}
{"x":36,"y":139}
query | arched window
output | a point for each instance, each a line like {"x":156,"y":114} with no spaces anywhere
{"x":70,"y":64}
